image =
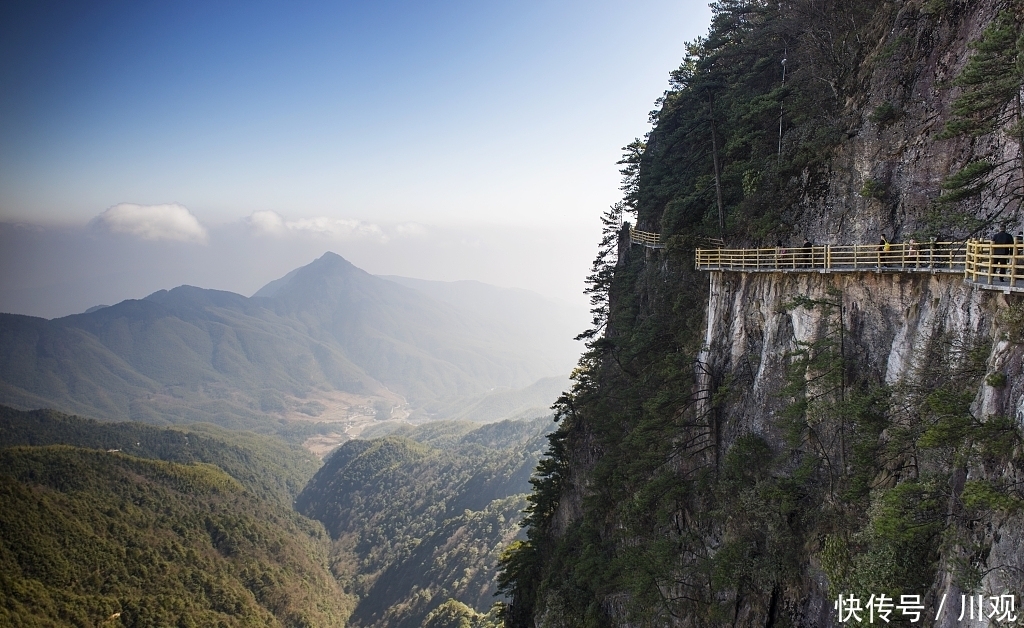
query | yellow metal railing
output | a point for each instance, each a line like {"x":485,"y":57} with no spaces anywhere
{"x":1000,"y":266}
{"x":648,"y":239}
{"x":653,"y":240}
{"x":949,"y":257}
{"x":997,"y":265}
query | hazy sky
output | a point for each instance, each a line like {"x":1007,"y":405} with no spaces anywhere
{"x":287,"y":129}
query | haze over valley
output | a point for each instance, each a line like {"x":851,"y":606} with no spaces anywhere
{"x":326,"y":350}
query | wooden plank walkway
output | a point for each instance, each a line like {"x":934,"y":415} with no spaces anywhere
{"x":987,"y":265}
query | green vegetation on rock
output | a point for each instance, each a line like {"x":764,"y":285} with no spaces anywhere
{"x":665,"y":497}
{"x":990,"y":102}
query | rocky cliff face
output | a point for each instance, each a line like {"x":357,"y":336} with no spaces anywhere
{"x":893,"y":323}
{"x":741,"y":448}
{"x":886,"y":175}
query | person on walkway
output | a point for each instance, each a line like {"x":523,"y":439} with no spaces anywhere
{"x":780,"y":253}
{"x":807,"y":257}
{"x":913,"y":253}
{"x":1002,"y":253}
{"x":883,"y":251}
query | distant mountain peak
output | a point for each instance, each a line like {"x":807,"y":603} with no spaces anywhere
{"x":328,"y":263}
{"x":331,"y":255}
{"x":330,"y":259}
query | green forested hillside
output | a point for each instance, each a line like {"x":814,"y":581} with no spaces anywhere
{"x":420,"y":517}
{"x":267,"y":467}
{"x":194,"y":525}
{"x":90,"y":537}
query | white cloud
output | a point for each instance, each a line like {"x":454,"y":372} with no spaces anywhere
{"x":412,"y":230}
{"x":153,"y":222}
{"x":267,"y":222}
{"x":272,"y":223}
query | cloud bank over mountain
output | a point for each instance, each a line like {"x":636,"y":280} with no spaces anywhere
{"x":153,"y":222}
{"x":268,"y":222}
{"x":53,"y":271}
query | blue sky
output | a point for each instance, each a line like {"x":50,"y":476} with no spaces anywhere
{"x":444,"y":114}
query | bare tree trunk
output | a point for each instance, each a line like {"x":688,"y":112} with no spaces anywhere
{"x":1020,"y":152}
{"x":718,"y":168}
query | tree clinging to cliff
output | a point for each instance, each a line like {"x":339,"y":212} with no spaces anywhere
{"x":991,"y":103}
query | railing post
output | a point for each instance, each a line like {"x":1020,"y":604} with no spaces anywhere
{"x":971,"y":261}
{"x":989,"y":273}
{"x":974,"y":261}
{"x":1013,"y":265}
{"x":967,"y":260}
{"x":993,"y":267}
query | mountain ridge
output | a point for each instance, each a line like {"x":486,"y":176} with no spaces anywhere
{"x":333,"y":342}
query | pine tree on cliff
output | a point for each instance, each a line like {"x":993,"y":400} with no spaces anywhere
{"x":990,"y":103}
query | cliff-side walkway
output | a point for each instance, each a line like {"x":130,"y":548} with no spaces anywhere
{"x":983,"y":263}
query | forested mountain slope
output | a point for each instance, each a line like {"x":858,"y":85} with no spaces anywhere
{"x":741,"y":449}
{"x":331,"y":342}
{"x":159,"y":536}
{"x":267,"y":467}
{"x":420,"y":517}
{"x":195,"y":525}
